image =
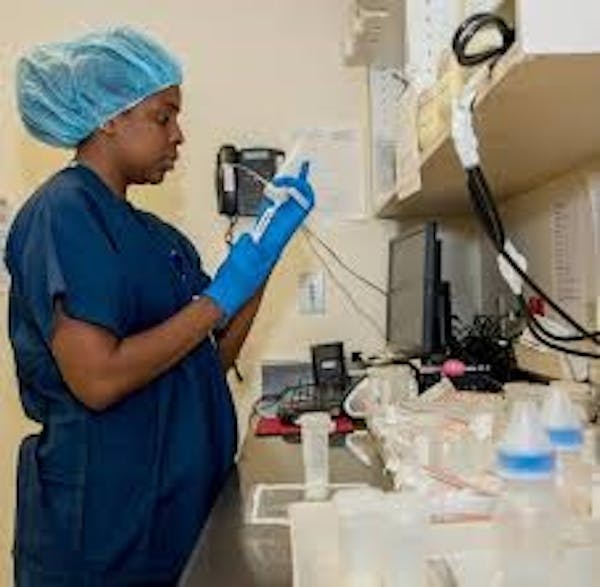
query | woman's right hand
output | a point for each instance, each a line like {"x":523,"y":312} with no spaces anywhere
{"x":239,"y":277}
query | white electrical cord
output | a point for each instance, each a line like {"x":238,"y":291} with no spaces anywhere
{"x":467,"y":149}
{"x":512,"y":278}
{"x":463,"y":131}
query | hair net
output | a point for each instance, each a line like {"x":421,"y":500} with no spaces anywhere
{"x":65,"y":91}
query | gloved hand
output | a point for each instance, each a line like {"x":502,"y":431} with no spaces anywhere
{"x":239,"y":276}
{"x":287,"y":217}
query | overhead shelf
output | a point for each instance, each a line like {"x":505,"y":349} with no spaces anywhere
{"x":536,"y":117}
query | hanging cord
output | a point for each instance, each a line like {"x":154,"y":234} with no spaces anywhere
{"x":483,"y":203}
{"x":540,"y":335}
{"x":230,"y":232}
{"x":487,"y":214}
{"x":310,"y":233}
{"x":485,"y":207}
{"x":229,"y":236}
{"x":344,"y":289}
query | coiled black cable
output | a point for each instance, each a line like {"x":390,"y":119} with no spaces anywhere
{"x":470,"y":28}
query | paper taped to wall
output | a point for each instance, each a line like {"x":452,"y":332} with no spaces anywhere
{"x":336,"y":171}
{"x":594,"y":261}
{"x":386,"y":87}
{"x":568,"y":262}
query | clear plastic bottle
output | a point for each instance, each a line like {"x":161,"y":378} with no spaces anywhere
{"x":565,"y":430}
{"x":528,"y":514}
{"x":359,"y":522}
{"x":404,"y":540}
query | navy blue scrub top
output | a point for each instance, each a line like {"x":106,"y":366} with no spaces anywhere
{"x":118,"y":496}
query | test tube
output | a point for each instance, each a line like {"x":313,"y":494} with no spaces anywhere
{"x":314,"y":430}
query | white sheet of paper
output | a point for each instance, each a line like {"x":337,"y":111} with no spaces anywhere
{"x":386,"y":87}
{"x":336,"y":170}
{"x":408,"y":174}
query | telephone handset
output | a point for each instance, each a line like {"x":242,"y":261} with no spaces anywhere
{"x":238,"y":190}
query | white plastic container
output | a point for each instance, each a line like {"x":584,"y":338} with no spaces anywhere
{"x":359,"y":515}
{"x":314,"y":430}
{"x":561,"y":421}
{"x":565,"y":430}
{"x":528,"y":514}
{"x":403,"y":545}
{"x":529,"y":523}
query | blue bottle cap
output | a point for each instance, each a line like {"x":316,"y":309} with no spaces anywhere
{"x":566,"y":439}
{"x":526,"y":466}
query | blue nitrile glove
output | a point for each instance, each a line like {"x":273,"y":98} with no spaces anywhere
{"x":239,"y":276}
{"x":286,"y":218}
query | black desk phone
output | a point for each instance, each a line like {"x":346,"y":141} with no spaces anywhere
{"x":238,"y":189}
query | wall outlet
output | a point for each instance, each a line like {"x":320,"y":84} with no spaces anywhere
{"x":311,"y":293}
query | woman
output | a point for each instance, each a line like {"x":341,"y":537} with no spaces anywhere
{"x":121,"y":340}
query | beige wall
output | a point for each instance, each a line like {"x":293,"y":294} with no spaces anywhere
{"x":255,"y":72}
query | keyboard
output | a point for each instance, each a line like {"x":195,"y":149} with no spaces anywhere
{"x":313,"y":398}
{"x":475,"y":381}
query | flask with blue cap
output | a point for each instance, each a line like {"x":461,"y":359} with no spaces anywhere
{"x":565,"y":431}
{"x":528,"y":513}
{"x":525,"y":452}
{"x":561,"y":421}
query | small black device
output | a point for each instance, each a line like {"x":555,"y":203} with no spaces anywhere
{"x":329,"y":367}
{"x":238,"y":189}
{"x":331,"y":384}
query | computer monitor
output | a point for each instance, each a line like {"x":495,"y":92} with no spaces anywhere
{"x":418,"y":303}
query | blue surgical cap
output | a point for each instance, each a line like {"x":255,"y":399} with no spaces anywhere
{"x":65,"y":91}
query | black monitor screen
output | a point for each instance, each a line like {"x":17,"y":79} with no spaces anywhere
{"x":413,"y":284}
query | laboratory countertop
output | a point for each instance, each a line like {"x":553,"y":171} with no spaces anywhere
{"x":232,"y":552}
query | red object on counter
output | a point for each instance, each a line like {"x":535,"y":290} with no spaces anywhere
{"x":454,"y":368}
{"x":275,"y":427}
{"x":537,"y":306}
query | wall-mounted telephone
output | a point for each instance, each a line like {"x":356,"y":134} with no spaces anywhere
{"x":238,"y":191}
